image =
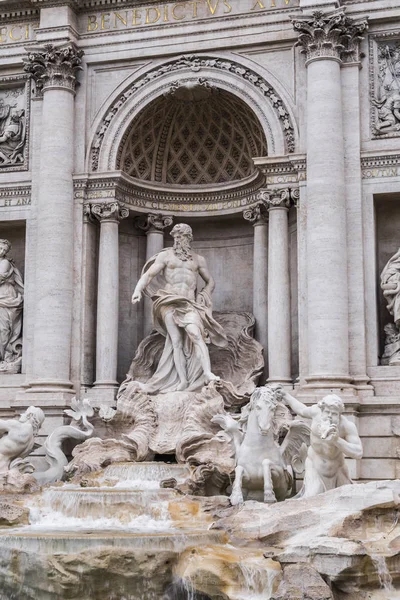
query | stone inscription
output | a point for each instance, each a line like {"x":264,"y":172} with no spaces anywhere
{"x":179,"y":11}
{"x":379,"y":172}
{"x":14,"y":202}
{"x":18,"y":32}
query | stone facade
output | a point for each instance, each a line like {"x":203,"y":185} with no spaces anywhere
{"x":271,"y":127}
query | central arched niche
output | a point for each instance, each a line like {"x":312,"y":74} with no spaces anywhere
{"x":193,"y":135}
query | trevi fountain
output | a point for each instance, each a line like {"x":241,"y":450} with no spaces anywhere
{"x":187,"y":489}
{"x":199,"y":300}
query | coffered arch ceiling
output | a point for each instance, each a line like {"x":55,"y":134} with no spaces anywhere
{"x":193,"y":135}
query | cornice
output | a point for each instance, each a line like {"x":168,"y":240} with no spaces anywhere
{"x":386,"y":159}
{"x":380,"y":166}
{"x":107,"y":187}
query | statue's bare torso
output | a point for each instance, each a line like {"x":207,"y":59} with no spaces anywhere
{"x":181,"y":275}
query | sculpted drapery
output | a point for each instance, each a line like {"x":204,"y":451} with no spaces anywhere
{"x":181,"y":314}
{"x":390,"y":284}
{"x":11,"y":303}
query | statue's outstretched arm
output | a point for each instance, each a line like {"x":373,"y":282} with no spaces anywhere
{"x":308,"y":412}
{"x":351,"y":446}
{"x":145,"y":279}
{"x":206,"y":276}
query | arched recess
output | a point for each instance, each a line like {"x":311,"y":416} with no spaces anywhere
{"x":266,"y":100}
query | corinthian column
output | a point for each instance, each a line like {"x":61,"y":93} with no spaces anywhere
{"x":258,"y":216}
{"x":109,"y":214}
{"x":279,"y":323}
{"x":153,"y":225}
{"x":54,"y":70}
{"x":323,"y":37}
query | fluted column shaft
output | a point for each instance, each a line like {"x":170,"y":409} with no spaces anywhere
{"x":54,"y":70}
{"x":109,"y":214}
{"x":153,"y":225}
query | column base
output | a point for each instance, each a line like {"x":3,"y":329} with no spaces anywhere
{"x":287,"y":382}
{"x":103,"y":394}
{"x":44,"y":399}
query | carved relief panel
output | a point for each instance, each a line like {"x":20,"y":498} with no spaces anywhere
{"x":14,"y":123}
{"x":385,"y":85}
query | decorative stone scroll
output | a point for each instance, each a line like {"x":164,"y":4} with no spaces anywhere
{"x":329,"y":35}
{"x":256,"y":214}
{"x":196,"y":64}
{"x":52,"y":66}
{"x":110,"y":211}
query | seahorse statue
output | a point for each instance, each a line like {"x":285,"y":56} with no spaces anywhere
{"x":80,"y":411}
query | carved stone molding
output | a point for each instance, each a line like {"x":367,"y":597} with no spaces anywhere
{"x":257,"y":214}
{"x":329,"y":35}
{"x":153,"y":222}
{"x":52,"y":66}
{"x":161,"y":199}
{"x":109,"y":211}
{"x":196,"y":64}
{"x":19,"y":195}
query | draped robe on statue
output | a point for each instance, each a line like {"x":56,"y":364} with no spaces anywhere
{"x":11,"y":302}
{"x":185,"y":312}
{"x":390,"y":284}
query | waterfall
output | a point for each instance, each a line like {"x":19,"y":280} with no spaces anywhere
{"x":154,"y":543}
{"x":385,"y":579}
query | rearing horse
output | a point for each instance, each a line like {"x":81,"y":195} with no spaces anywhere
{"x":262,"y":464}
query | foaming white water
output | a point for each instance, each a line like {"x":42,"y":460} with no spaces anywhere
{"x":257,"y":582}
{"x":46,"y":519}
{"x":151,"y":471}
{"x":67,"y":542}
{"x":134,"y":484}
{"x":120,"y":503}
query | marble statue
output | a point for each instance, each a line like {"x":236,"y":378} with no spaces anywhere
{"x":80,"y":411}
{"x":333,"y":437}
{"x":11,"y":302}
{"x":391,"y":354}
{"x":390,"y":285}
{"x":262,"y":464}
{"x":182,"y":314}
{"x":18,"y":436}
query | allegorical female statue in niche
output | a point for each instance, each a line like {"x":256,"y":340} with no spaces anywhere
{"x":11,"y":303}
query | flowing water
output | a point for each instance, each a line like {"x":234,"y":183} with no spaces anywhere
{"x":126,"y":538}
{"x":384,"y":576}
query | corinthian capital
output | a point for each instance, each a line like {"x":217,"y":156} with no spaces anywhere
{"x":154,"y":222}
{"x":329,"y":35}
{"x":110,"y":211}
{"x":52,"y":66}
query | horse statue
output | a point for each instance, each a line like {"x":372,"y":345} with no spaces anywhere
{"x":269,"y":445}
